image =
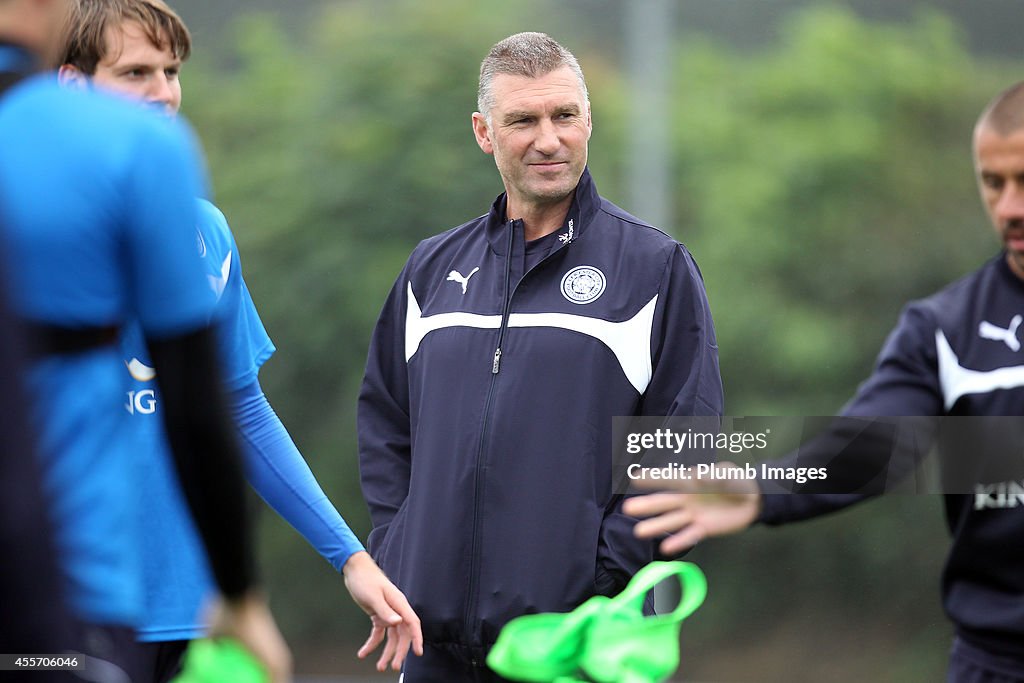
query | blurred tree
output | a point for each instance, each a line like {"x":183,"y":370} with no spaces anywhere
{"x":822,"y":184}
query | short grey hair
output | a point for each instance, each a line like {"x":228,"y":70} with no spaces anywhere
{"x":526,"y":54}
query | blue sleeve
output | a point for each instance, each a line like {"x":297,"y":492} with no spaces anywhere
{"x":905,"y":382}
{"x":283,"y":479}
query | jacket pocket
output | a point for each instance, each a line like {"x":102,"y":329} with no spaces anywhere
{"x":606,"y":583}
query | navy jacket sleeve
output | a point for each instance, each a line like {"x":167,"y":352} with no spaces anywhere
{"x":685,"y":381}
{"x":383,"y":418}
{"x":905,"y":382}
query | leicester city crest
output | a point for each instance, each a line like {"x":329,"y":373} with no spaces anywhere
{"x":583,"y":284}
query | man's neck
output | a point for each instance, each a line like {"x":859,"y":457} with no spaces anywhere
{"x":539,"y":220}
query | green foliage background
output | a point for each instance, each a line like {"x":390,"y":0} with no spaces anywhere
{"x":821,"y":179}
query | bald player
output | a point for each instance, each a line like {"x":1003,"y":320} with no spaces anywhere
{"x":956,"y":353}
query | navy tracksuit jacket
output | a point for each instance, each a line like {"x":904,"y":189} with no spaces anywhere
{"x":958,"y":353}
{"x":486,"y":411}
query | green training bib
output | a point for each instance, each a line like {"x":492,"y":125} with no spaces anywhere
{"x":608,"y":640}
{"x":220,"y":661}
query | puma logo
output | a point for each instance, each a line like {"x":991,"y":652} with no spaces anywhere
{"x":1008,"y":336}
{"x":218,"y":283}
{"x":456,"y":276}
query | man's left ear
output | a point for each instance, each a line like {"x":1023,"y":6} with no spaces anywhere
{"x":72,"y":77}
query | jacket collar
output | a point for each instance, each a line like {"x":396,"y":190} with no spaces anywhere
{"x":1003,"y":267}
{"x":585,"y":205}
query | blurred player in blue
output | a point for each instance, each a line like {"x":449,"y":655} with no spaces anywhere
{"x":34,"y":617}
{"x":956,"y":353}
{"x":97,"y":208}
{"x":136,"y":48}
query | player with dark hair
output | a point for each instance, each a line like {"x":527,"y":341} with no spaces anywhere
{"x":958,"y":353}
{"x":136,"y":48}
{"x":97,"y":208}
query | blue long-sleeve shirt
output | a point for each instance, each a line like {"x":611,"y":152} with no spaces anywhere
{"x":177,"y":577}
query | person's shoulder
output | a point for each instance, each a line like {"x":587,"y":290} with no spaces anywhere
{"x":646,"y":245}
{"x":39,"y":92}
{"x":452,"y":237}
{"x":212,"y":222}
{"x":639,"y":229}
{"x":435,"y":251}
{"x":43,"y":96}
{"x":38,"y":103}
{"x":215,"y":237}
{"x":947,"y":308}
{"x":955,"y":295}
{"x":209,"y":213}
{"x":92,"y":122}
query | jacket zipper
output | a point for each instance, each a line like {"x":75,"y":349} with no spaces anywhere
{"x":474,"y":566}
{"x":570,"y":237}
{"x":478,"y":480}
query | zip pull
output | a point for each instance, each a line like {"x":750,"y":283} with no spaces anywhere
{"x":497,"y":361}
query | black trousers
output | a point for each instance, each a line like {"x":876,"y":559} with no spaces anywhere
{"x":161,"y":661}
{"x":440,"y":665}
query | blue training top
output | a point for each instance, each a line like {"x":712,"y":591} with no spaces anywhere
{"x":177,"y":577}
{"x":98,"y":202}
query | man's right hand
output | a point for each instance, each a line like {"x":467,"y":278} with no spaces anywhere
{"x":691,"y":510}
{"x":388,"y":609}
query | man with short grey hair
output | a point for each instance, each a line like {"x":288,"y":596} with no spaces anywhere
{"x":503,"y":351}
